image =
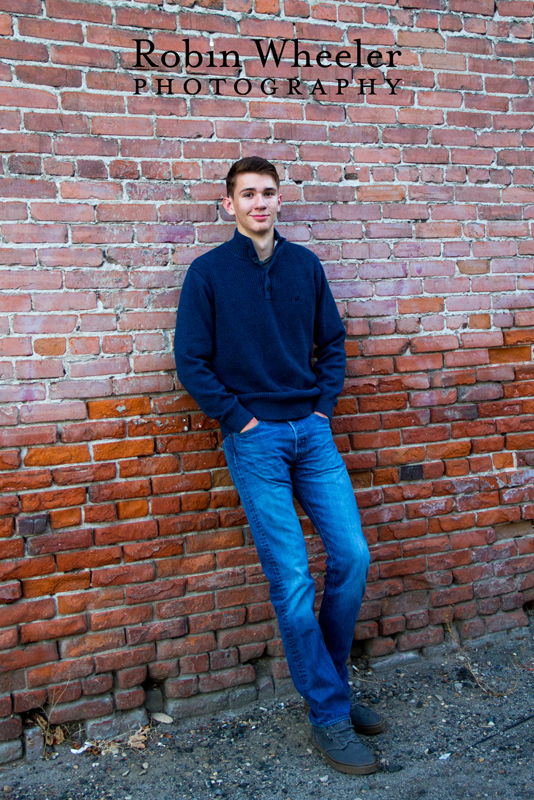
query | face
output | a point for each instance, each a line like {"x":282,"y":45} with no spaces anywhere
{"x":255,"y":203}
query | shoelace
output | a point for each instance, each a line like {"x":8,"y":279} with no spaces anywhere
{"x":342,"y":737}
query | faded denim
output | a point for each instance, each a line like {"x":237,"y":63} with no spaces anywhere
{"x":268,"y":464}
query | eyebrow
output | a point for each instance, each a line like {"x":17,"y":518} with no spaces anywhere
{"x":252,"y":189}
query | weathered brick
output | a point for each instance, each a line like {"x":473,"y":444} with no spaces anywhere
{"x":64,"y":670}
{"x":127,"y":699}
{"x":225,"y":678}
{"x":10,"y":728}
{"x":122,"y":659}
{"x":421,"y":638}
{"x":26,"y":700}
{"x":80,"y":709}
{"x":52,"y":629}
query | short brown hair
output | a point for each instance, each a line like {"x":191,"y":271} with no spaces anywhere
{"x":250,"y":164}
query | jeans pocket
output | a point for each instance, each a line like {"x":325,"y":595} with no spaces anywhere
{"x":250,"y":430}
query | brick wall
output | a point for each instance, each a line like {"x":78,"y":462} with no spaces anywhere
{"x":125,"y":557}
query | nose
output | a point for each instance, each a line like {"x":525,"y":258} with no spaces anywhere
{"x":260,"y":201}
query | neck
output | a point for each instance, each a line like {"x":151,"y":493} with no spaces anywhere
{"x":263,"y":243}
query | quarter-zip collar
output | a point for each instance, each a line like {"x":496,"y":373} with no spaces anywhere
{"x":243,"y":247}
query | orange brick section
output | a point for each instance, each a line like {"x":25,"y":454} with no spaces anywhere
{"x":125,"y":554}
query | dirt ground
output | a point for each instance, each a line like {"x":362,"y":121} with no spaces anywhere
{"x":461,"y":725}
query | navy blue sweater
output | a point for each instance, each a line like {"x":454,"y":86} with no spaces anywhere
{"x":245,"y":335}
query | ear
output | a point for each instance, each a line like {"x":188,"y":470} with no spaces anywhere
{"x":228,"y":205}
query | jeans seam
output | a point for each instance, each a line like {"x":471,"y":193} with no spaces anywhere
{"x":272,"y":562}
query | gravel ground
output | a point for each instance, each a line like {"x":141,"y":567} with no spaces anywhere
{"x":447,"y":739}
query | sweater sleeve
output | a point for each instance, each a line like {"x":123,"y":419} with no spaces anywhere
{"x":329,"y":337}
{"x":193,"y":351}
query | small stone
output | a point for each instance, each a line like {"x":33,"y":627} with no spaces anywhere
{"x":8,"y":789}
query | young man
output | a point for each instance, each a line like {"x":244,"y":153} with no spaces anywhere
{"x":249,"y":315}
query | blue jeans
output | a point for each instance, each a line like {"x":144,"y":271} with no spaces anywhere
{"x":268,"y":463}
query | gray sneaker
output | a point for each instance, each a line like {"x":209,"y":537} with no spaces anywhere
{"x":342,"y":748}
{"x":365,"y":720}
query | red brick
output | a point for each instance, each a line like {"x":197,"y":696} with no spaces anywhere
{"x":249,"y":634}
{"x":490,"y":605}
{"x":26,"y":611}
{"x":161,"y":548}
{"x":375,"y":648}
{"x":417,"y":619}
{"x":28,"y":567}
{"x":64,"y":692}
{"x":365,"y":630}
{"x":119,"y":617}
{"x":203,"y":643}
{"x":52,"y":629}
{"x":391,"y":625}
{"x":10,"y":591}
{"x":81,"y":709}
{"x":216,"y":620}
{"x":454,"y":594}
{"x":421,"y":638}
{"x":55,"y":584}
{"x":25,"y":701}
{"x":407,"y":566}
{"x":156,"y":631}
{"x":87,"y":559}
{"x":195,"y":663}
{"x":186,"y":605}
{"x":97,"y":685}
{"x":181,"y":687}
{"x":59,"y":498}
{"x":126,"y":531}
{"x":122,"y":659}
{"x":186,"y":565}
{"x":243,"y":594}
{"x":161,"y":670}
{"x":56,"y":542}
{"x":11,"y":728}
{"x":513,"y":619}
{"x":63,"y":670}
{"x":91,"y":643}
{"x":132,"y":698}
{"x":472,"y":629}
{"x":224,"y":679}
{"x":126,"y":449}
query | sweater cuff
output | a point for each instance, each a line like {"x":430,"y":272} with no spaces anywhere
{"x":238,"y":418}
{"x":325,"y":406}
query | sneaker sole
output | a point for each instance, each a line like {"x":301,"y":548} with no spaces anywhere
{"x":371,"y":730}
{"x":348,"y":769}
{"x":365,"y":730}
